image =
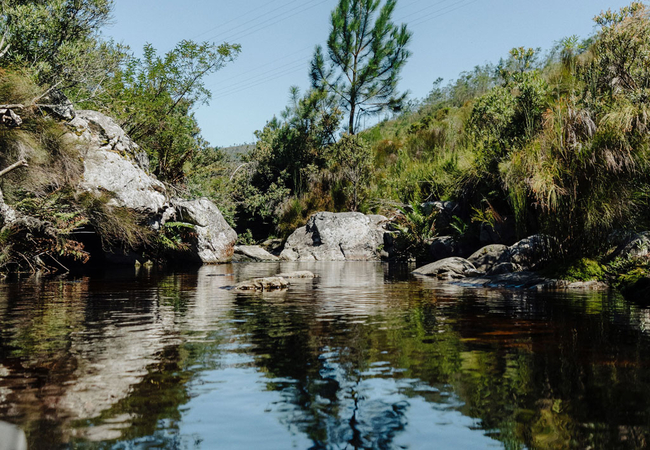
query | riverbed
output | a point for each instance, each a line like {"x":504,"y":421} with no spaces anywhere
{"x":366,"y":355}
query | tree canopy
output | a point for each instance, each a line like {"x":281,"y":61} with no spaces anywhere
{"x":365,"y":54}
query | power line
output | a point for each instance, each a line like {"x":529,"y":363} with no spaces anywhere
{"x":271,"y":21}
{"x":299,"y":62}
{"x":237,"y":18}
{"x":291,"y":67}
{"x":259,"y":66}
{"x":277,"y":76}
{"x":419,"y":11}
{"x":432,"y":16}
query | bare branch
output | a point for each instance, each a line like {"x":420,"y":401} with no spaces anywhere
{"x":16,"y":165}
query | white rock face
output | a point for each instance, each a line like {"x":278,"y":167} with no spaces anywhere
{"x":337,"y":237}
{"x":215,"y":238}
{"x":113,"y":162}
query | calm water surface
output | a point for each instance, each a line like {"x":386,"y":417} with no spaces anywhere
{"x":365,"y":356}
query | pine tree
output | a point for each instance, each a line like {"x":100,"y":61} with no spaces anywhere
{"x":365,"y":53}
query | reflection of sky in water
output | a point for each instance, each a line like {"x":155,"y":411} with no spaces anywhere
{"x":232,"y":400}
{"x":360,"y":356}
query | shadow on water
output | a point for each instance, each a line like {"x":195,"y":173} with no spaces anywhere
{"x":364,"y":356}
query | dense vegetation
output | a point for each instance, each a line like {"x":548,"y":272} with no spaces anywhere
{"x":553,"y":143}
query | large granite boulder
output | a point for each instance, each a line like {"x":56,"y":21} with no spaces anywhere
{"x":215,"y":239}
{"x":337,"y":237}
{"x":114,"y":163}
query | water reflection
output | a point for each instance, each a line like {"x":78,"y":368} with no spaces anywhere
{"x":364,"y":356}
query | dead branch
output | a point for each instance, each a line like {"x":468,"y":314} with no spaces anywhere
{"x":21,"y":163}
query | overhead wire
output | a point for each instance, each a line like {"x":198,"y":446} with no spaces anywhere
{"x":259,"y":66}
{"x":269,"y":22}
{"x":419,"y":11}
{"x":237,"y":18}
{"x":277,"y":76}
{"x":429,"y":17}
{"x":294,"y":64}
{"x":291,"y":67}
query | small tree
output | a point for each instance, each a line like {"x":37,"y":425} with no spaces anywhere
{"x":58,"y":40}
{"x":364,"y":58}
{"x":153,"y":98}
{"x":352,"y":160}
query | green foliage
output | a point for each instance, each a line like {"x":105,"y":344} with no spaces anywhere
{"x":208,"y":175}
{"x":153,"y":98}
{"x":118,"y":227}
{"x":57,"y":41}
{"x":583,"y":269}
{"x":175,"y":237}
{"x":365,"y":54}
{"x":289,"y":157}
{"x":351,"y":161}
{"x":246,"y":238}
{"x":415,"y":228}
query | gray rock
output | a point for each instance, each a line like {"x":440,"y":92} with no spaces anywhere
{"x":262,"y":284}
{"x":9,"y":118}
{"x":114,"y":163}
{"x":488,"y":257}
{"x":215,"y":238}
{"x":502,"y":232}
{"x":504,"y":268}
{"x":11,"y":437}
{"x":446,"y":211}
{"x":454,"y":267}
{"x":530,"y":252}
{"x":57,"y":105}
{"x":444,"y":247}
{"x":337,"y":237}
{"x":298,"y":274}
{"x":635,"y":247}
{"x":109,"y":135}
{"x":253,"y":253}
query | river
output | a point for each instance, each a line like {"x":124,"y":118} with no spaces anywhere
{"x":364,"y":356}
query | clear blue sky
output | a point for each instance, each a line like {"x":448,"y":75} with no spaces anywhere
{"x":278,"y":38}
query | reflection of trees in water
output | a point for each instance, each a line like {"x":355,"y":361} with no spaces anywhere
{"x":537,"y":372}
{"x":330,"y":360}
{"x":544,"y":372}
{"x":85,"y":349}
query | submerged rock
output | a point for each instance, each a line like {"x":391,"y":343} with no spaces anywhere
{"x":253,"y":253}
{"x":531,"y":281}
{"x":337,"y":237}
{"x":299,"y":274}
{"x":262,"y":284}
{"x":453,"y":267}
